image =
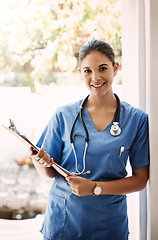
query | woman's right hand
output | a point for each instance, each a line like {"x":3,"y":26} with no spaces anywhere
{"x":42,"y":158}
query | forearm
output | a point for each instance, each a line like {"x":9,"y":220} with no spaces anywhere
{"x":135,"y":183}
{"x":122,"y":186}
{"x":47,"y":172}
{"x":81,"y":186}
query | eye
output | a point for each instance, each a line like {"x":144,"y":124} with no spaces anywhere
{"x":102,"y":69}
{"x":87,"y":71}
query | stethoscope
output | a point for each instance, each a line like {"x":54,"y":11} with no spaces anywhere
{"x":115,"y":130}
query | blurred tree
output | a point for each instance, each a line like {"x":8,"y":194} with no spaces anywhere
{"x":40,"y":37}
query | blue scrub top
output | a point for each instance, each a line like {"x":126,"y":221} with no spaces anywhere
{"x":103,"y":217}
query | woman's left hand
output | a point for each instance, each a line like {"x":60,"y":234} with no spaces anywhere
{"x":80,"y":186}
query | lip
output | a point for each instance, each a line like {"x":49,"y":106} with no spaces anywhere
{"x":98,"y":85}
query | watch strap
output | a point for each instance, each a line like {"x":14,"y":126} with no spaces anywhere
{"x":97,"y":184}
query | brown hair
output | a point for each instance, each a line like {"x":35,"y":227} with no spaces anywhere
{"x":97,"y":45}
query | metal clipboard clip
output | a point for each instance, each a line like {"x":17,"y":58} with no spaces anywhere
{"x":13,"y":130}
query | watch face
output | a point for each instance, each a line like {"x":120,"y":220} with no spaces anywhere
{"x":97,"y":190}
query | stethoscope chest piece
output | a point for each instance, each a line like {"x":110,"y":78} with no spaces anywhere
{"x":115,"y":129}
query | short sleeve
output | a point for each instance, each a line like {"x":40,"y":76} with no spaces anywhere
{"x":139,"y":152}
{"x":51,"y":138}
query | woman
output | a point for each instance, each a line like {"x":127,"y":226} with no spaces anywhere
{"x":90,"y":204}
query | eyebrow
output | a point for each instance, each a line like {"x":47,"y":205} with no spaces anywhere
{"x":104,"y":64}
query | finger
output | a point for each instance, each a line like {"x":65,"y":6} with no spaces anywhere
{"x":73,"y":185}
{"x":73,"y":180}
{"x":45,"y":157}
{"x":32,"y":151}
{"x":45,"y":164}
{"x":70,"y":177}
{"x":48,"y":165}
{"x":48,"y":162}
{"x":51,"y":161}
{"x":40,"y":153}
{"x":75,"y":192}
{"x":70,"y":174}
{"x":41,"y":161}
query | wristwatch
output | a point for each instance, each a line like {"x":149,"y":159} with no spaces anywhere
{"x":97,"y":190}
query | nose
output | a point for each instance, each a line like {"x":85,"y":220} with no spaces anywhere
{"x":95,"y":77}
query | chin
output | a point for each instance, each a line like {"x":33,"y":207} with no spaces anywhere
{"x":101,"y":92}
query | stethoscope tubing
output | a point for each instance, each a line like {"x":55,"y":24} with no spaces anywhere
{"x":114,"y":131}
{"x":117,"y":112}
{"x":115,"y":120}
{"x":83,"y":123}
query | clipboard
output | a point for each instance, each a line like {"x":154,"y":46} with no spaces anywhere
{"x":12,"y":129}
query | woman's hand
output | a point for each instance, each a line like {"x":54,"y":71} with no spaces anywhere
{"x":42,"y":158}
{"x":80,"y":186}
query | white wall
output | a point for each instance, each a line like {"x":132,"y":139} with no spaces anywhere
{"x":140,"y":86}
{"x":152,"y":82}
{"x":132,"y":73}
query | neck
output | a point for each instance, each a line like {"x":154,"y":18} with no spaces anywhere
{"x":102,"y":102}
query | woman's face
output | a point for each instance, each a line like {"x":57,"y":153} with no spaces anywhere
{"x":98,"y":73}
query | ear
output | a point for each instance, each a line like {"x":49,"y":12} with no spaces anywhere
{"x":79,"y":69}
{"x":116,"y":68}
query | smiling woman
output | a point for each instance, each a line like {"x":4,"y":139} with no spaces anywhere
{"x":98,"y":181}
{"x":98,"y":72}
{"x":98,"y":69}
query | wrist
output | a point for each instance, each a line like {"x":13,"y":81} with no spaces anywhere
{"x":93,"y":186}
{"x":97,"y":190}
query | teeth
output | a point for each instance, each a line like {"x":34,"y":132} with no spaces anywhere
{"x":97,"y":86}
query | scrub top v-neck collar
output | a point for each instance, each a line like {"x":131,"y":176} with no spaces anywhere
{"x":91,"y":123}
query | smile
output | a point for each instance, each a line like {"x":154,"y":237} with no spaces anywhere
{"x":97,"y":85}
